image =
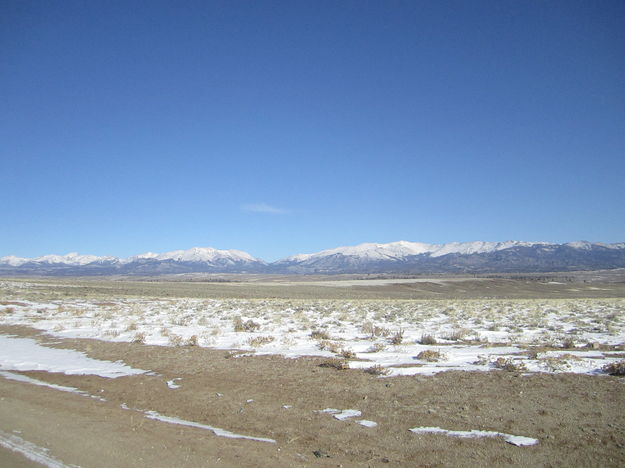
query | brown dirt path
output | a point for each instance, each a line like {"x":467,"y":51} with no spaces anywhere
{"x":579,"y":420}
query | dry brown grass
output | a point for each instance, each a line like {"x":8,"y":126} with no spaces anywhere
{"x":338,"y":364}
{"x":430,"y":355}
{"x":615,"y":368}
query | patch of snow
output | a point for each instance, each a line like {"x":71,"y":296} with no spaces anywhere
{"x":401,"y":249}
{"x":366,"y":423}
{"x":29,"y":450}
{"x":24,"y":354}
{"x":216,"y":430}
{"x":520,"y":441}
{"x":41,"y":383}
{"x":342,"y":414}
{"x":172,"y":383}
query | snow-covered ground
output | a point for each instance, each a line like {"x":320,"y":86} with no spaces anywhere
{"x":387,"y":337}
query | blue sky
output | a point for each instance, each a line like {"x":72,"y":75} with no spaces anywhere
{"x":286,"y":127}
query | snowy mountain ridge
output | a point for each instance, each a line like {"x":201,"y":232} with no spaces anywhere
{"x":400,"y":249}
{"x":400,"y":257}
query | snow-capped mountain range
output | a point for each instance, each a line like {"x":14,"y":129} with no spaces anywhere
{"x":396,"y":257}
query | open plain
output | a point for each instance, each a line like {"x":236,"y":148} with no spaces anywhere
{"x":236,"y":370}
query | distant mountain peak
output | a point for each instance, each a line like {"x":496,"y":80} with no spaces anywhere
{"x":395,"y":257}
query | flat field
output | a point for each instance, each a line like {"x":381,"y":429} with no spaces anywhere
{"x":262,"y":370}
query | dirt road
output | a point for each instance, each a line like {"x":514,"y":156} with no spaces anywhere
{"x":578,"y":420}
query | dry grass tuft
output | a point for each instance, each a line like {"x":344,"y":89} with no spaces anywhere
{"x":260,"y":341}
{"x":509,"y":365}
{"x":139,"y":338}
{"x":377,"y":370}
{"x":347,"y":354}
{"x":375,"y":331}
{"x":427,"y":339}
{"x":338,"y":364}
{"x":175,"y":340}
{"x":244,"y":326}
{"x":376,"y":348}
{"x":430,"y":355}
{"x":320,"y":335}
{"x":397,"y":337}
{"x":614,"y":368}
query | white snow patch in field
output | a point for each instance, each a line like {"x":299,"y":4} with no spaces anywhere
{"x":348,"y":413}
{"x":366,"y":423}
{"x":520,"y":441}
{"x":41,"y":383}
{"x":342,"y":415}
{"x":29,"y":450}
{"x":25,"y":354}
{"x":172,"y":383}
{"x":470,"y":334}
{"x":216,"y":430}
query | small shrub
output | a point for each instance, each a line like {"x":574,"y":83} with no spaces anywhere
{"x":332,"y":346}
{"x":375,"y":331}
{"x":614,"y":368}
{"x":555,"y":364}
{"x":347,"y":354}
{"x":139,"y":338}
{"x":320,"y":335}
{"x":568,"y":343}
{"x":377,"y":370}
{"x":427,"y":339}
{"x":457,"y":335}
{"x":509,"y":365}
{"x":532,"y":353}
{"x":338,"y":364}
{"x":376,"y":348}
{"x":397,"y":337}
{"x":175,"y":340}
{"x":132,"y":326}
{"x":247,"y":326}
{"x":192,"y":341}
{"x":430,"y":355}
{"x":260,"y":341}
{"x":482,"y":360}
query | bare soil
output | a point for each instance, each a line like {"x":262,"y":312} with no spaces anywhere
{"x":527,"y":286}
{"x":579,"y":420}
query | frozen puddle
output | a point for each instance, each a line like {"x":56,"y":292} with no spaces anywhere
{"x":25,"y":354}
{"x":342,"y":415}
{"x":216,"y":430}
{"x":29,"y":450}
{"x":41,"y":383}
{"x":519,"y":441}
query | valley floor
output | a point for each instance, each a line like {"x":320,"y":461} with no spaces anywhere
{"x":152,"y":395}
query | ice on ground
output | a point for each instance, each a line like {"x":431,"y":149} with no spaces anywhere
{"x":348,"y":413}
{"x":216,"y":430}
{"x":29,"y":450}
{"x":172,"y":383}
{"x":366,"y":423}
{"x":520,"y":441}
{"x":41,"y":383}
{"x":342,"y":415}
{"x":25,"y":354}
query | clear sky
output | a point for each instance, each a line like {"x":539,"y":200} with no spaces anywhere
{"x":289,"y":127}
